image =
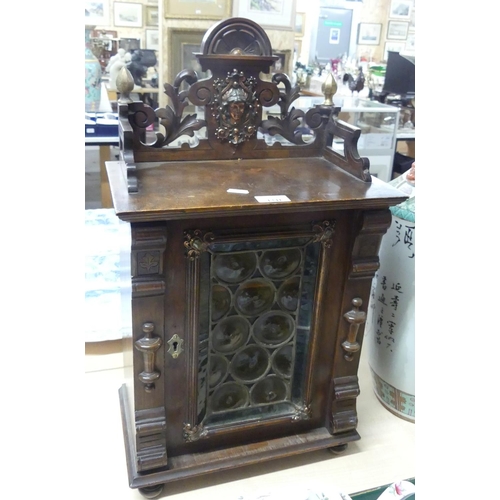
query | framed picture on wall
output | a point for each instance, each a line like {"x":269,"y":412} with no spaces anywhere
{"x":369,"y":33}
{"x":197,"y":9}
{"x":401,"y":9}
{"x":97,"y":13}
{"x":152,"y":40}
{"x":392,"y":47}
{"x":297,"y":48}
{"x":412,"y":21}
{"x":183,"y":43}
{"x":410,"y":43}
{"x":300,"y":22}
{"x":334,"y":37}
{"x":269,"y":14}
{"x":281,"y":65}
{"x":151,"y":15}
{"x":397,"y":30}
{"x":128,"y":14}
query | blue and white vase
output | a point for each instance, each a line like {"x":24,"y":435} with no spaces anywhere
{"x":390,"y":323}
{"x":93,"y":73}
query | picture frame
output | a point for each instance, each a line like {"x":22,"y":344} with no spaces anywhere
{"x":410,"y":43}
{"x":127,"y":14}
{"x":297,"y":48}
{"x":334,"y":36}
{"x":397,"y":30}
{"x":97,"y":13}
{"x":369,"y":33}
{"x":152,"y":39}
{"x":392,"y":47}
{"x":182,"y":43}
{"x":411,"y":29}
{"x":193,"y":9}
{"x":300,"y":23}
{"x":401,"y":9}
{"x":278,"y":14}
{"x":151,"y":15}
{"x":281,"y":65}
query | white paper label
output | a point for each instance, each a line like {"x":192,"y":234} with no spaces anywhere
{"x":90,"y":131}
{"x":279,"y":198}
{"x":238,"y":191}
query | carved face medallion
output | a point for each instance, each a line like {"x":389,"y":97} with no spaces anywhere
{"x":235,"y":107}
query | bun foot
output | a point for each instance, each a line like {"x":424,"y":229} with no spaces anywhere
{"x":337,"y":450}
{"x":151,"y":491}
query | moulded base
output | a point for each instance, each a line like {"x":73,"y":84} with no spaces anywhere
{"x":187,"y":466}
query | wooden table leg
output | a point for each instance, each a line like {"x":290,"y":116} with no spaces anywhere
{"x":104,"y":156}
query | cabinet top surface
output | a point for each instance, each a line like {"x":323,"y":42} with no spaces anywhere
{"x":180,"y":190}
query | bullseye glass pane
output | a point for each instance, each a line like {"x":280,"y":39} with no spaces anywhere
{"x":273,"y":328}
{"x":269,"y":390}
{"x":250,"y":363}
{"x":234,"y":268}
{"x":278,"y":264}
{"x":254,"y":297}
{"x":230,"y":334}
{"x":229,"y":396}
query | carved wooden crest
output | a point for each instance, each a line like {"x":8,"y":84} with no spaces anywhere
{"x":230,"y":110}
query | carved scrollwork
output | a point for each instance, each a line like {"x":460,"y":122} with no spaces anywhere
{"x":235,"y":107}
{"x":171,"y":116}
{"x":193,"y":432}
{"x":197,"y":242}
{"x":324,"y":232}
{"x":290,"y":119}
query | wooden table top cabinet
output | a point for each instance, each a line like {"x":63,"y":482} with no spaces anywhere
{"x":253,"y":251}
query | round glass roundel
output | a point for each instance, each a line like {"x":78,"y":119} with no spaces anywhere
{"x":221,"y":302}
{"x":254,"y":297}
{"x":268,"y":390}
{"x":250,"y":363}
{"x":217,"y":370}
{"x":273,"y":328}
{"x":230,"y":334}
{"x":288,"y":294}
{"x":235,"y":267}
{"x":229,"y":396}
{"x":278,"y":264}
{"x":282,"y":361}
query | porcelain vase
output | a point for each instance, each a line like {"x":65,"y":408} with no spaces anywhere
{"x":390,"y":324}
{"x":93,"y":73}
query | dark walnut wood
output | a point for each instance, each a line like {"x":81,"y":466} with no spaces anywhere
{"x":252,"y":257}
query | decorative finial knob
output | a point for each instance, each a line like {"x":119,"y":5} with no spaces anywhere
{"x":329,"y":88}
{"x":124,"y":85}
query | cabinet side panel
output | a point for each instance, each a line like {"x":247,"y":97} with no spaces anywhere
{"x":367,"y":231}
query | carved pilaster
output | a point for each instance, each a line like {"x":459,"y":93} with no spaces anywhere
{"x":151,"y":427}
{"x":148,"y":318}
{"x":345,"y":392}
{"x":364,"y":262}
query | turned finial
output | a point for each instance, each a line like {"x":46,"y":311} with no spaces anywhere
{"x":329,"y":88}
{"x":124,"y":85}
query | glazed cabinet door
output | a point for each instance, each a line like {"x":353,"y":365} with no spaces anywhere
{"x":252,"y":330}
